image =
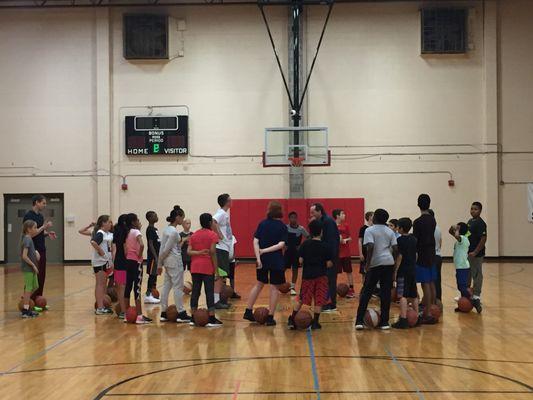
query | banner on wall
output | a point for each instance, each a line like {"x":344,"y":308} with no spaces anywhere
{"x":530,"y":201}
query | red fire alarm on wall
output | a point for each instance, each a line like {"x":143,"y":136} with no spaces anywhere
{"x":124,"y":185}
{"x":451,"y":183}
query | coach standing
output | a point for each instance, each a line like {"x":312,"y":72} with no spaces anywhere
{"x":35,"y":214}
{"x":330,"y":236}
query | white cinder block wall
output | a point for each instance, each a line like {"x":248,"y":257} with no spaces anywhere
{"x":65,"y":89}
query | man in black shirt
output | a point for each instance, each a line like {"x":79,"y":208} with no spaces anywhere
{"x":477,"y":229}
{"x":35,"y":214}
{"x":316,"y":260}
{"x":424,"y":232}
{"x":331,"y":237}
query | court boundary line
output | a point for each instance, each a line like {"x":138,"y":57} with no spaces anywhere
{"x":316,"y":383}
{"x":404,"y":372}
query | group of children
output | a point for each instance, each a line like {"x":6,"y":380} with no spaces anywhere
{"x":389,"y":254}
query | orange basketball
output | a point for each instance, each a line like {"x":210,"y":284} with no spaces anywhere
{"x":21,"y":304}
{"x":465,"y":305}
{"x":40,"y":301}
{"x":412,"y":317}
{"x":343,"y":289}
{"x":187,"y":287}
{"x":303,"y":319}
{"x":284,"y":287}
{"x":434,"y":311}
{"x":131,"y":315}
{"x":172,"y":313}
{"x":226,"y":292}
{"x":112,"y":293}
{"x":201,"y":317}
{"x":372,"y":318}
{"x":261,"y":315}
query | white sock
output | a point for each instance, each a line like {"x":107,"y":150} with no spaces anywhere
{"x":26,"y":307}
{"x":217,"y":297}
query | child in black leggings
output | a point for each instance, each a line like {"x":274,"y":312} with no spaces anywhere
{"x":133,"y":249}
{"x":202,"y":249}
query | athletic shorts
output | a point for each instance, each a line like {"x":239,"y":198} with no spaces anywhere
{"x":316,"y":289}
{"x":223,"y":262}
{"x":31,"y":283}
{"x":151,"y":267}
{"x":120,"y":277}
{"x":102,"y":268}
{"x":274,"y":277}
{"x":426,"y":274}
{"x":291,"y":259}
{"x":406,"y":286}
{"x":344,"y":264}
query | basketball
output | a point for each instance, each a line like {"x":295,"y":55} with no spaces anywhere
{"x":435,"y":311}
{"x":261,"y":315}
{"x":284,"y":287}
{"x":303,"y":319}
{"x":40,"y":301}
{"x":131,"y":315}
{"x":172,"y":313}
{"x":343,"y":289}
{"x":155,"y":293}
{"x":201,"y":317}
{"x":187,"y":287}
{"x":226,"y":292}
{"x":465,"y":305}
{"x":112,"y":293}
{"x":372,"y":318}
{"x":118,"y":309}
{"x":21,"y":304}
{"x":412,"y":317}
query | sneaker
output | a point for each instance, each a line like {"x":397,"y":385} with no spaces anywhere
{"x":141,"y":320}
{"x":38,"y":309}
{"x":293,"y":292}
{"x":121,"y":315}
{"x":191,"y":322}
{"x":428,"y":320}
{"x":329,"y":308}
{"x":221,"y":306}
{"x":147,"y":319}
{"x":384,"y":327}
{"x":249,"y":315}
{"x":236,"y":296}
{"x":100,"y":311}
{"x":457,"y":310}
{"x":477,"y":305}
{"x":108,"y":311}
{"x":28,"y":314}
{"x":350,"y":294}
{"x":163,"y":317}
{"x":183,"y":317}
{"x":401,"y":324}
{"x":316,"y":325}
{"x":213,"y":321}
{"x":359,"y":326}
{"x":151,"y":300}
{"x":270,"y":321}
{"x":290,"y":323}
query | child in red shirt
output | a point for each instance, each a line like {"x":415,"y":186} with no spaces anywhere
{"x":204,"y":268}
{"x":344,"y":262}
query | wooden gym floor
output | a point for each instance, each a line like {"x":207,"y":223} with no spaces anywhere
{"x":69,"y":353}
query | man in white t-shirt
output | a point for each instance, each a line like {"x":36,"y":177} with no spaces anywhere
{"x":222,"y":226}
{"x":382,"y":250}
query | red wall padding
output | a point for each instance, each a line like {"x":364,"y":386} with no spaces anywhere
{"x":247,"y":213}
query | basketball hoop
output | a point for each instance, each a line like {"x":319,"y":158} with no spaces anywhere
{"x":296,"y":161}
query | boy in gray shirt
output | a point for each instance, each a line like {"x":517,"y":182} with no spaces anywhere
{"x":29,"y":260}
{"x":382,"y":250}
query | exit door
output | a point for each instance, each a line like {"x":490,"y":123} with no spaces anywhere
{"x":15,"y":207}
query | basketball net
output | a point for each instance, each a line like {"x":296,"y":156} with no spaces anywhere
{"x":296,"y":161}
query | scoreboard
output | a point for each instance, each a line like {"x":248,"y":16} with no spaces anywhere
{"x":160,"y":135}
